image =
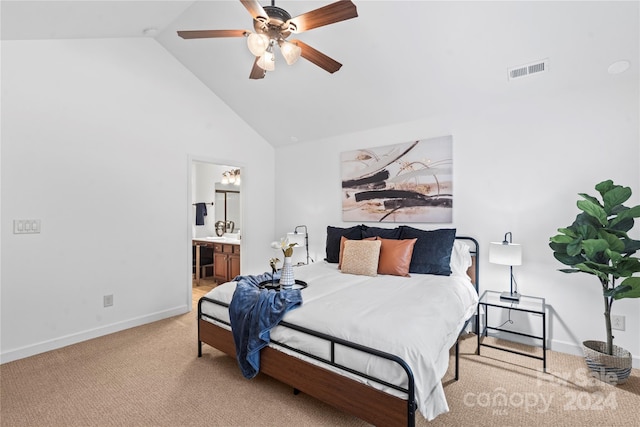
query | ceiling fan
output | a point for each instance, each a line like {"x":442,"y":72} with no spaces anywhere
{"x":274,"y":25}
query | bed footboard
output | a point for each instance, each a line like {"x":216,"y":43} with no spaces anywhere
{"x":358,"y":399}
{"x":361,"y":400}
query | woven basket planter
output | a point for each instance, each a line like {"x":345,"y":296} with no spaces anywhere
{"x":613,"y":369}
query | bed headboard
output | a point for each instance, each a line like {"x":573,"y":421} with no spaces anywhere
{"x":474,"y":249}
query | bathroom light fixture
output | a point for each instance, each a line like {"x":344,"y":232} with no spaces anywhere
{"x":507,"y":253}
{"x":231,"y":177}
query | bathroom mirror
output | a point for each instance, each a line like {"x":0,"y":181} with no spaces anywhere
{"x":227,"y":211}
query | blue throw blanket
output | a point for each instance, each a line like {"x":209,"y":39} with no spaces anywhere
{"x":253,"y":312}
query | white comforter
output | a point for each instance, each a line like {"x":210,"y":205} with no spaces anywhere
{"x":418,"y":319}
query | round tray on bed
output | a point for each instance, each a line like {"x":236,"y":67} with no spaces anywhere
{"x":275,"y":285}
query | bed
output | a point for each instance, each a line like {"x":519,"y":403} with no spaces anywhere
{"x":376,"y":346}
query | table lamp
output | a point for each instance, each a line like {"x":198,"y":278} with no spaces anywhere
{"x":301,"y":238}
{"x":507,"y":253}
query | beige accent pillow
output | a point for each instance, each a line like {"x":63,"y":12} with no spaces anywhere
{"x":344,"y":239}
{"x":361,"y":257}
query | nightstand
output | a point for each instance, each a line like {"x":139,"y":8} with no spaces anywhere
{"x":528,"y":304}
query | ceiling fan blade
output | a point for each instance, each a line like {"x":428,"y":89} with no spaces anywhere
{"x":257,"y":72}
{"x":206,"y":34}
{"x":317,"y":57}
{"x":256,"y":10}
{"x":330,"y":14}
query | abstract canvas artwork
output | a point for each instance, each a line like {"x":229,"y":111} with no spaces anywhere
{"x":408,"y":182}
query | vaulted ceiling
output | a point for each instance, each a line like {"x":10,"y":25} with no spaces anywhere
{"x":402,"y":60}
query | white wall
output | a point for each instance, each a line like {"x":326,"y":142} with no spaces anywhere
{"x":517,"y":168}
{"x":97,"y":139}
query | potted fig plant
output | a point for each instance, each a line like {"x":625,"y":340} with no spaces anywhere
{"x":597,"y":243}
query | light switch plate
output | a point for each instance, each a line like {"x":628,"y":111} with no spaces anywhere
{"x":26,"y":226}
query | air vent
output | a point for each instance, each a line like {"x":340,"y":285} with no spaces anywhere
{"x":528,"y":69}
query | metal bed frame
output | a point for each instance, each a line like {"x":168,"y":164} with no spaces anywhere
{"x":356,"y":398}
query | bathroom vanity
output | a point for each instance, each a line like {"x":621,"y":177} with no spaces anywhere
{"x":226,"y":257}
{"x":226,"y":261}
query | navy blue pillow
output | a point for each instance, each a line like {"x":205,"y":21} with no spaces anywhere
{"x":432,"y":251}
{"x":385,"y":233}
{"x":333,"y":240}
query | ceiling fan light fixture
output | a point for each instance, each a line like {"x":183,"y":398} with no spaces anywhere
{"x":257,"y":43}
{"x":273,"y":25}
{"x":267,"y":61}
{"x":290,"y":51}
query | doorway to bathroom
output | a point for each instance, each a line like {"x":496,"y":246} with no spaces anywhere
{"x":215,"y":223}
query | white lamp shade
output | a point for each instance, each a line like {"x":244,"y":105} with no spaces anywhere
{"x":296,"y":238}
{"x":267,"y":61}
{"x":257,"y":43}
{"x":290,"y":51}
{"x":505,"y":254}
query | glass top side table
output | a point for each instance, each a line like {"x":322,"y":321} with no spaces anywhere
{"x":527,"y":304}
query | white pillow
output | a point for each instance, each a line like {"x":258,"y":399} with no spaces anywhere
{"x":460,"y":258}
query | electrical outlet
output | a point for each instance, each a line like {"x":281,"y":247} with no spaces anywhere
{"x":617,"y":322}
{"x":108,"y":300}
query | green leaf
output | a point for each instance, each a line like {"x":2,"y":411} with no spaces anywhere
{"x":613,"y":291}
{"x":616,"y":196}
{"x":614,"y":243}
{"x":568,"y":260}
{"x":627,"y":266}
{"x":569,"y":232}
{"x":614,"y":256}
{"x":622,"y":226}
{"x":631,"y":246}
{"x":558,"y":247}
{"x":625,"y":215}
{"x":604,"y":186}
{"x":574,"y":248}
{"x":590,"y":198}
{"x":594,"y":210}
{"x":592,"y":247}
{"x":569,"y":270}
{"x":586,"y":226}
{"x":630,"y":288}
{"x":599,"y":270}
{"x":561,"y":238}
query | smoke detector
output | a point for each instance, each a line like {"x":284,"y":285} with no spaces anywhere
{"x":520,"y":71}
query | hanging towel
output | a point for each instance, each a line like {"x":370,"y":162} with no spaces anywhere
{"x":201,"y":212}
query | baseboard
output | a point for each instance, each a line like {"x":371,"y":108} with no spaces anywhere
{"x":66,"y":340}
{"x":556,"y":345}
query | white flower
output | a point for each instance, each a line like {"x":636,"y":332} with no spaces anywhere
{"x":287,"y":248}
